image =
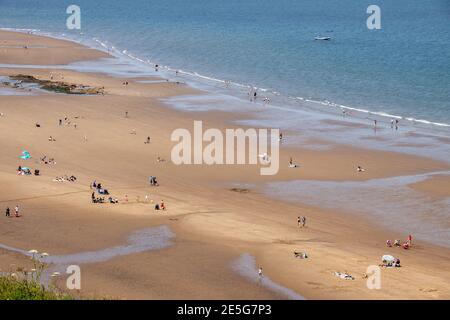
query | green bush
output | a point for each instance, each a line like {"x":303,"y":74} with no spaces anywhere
{"x":13,"y":288}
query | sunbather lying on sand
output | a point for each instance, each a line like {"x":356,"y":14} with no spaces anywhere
{"x":23,"y":171}
{"x":65,"y":178}
{"x":344,"y":276}
{"x":113,"y":201}
{"x":300,"y":255}
{"x":46,"y":160}
{"x":292,"y":164}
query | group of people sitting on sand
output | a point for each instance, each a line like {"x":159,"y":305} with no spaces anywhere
{"x":102,"y":199}
{"x":25,"y":171}
{"x":45,"y":160}
{"x":406,"y":245}
{"x":160,"y":206}
{"x":97,"y":199}
{"x":113,"y":200}
{"x":101,"y":191}
{"x":65,"y":178}
{"x":391,"y":263}
{"x":99,"y":188}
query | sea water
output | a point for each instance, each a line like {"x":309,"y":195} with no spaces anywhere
{"x":401,"y":69}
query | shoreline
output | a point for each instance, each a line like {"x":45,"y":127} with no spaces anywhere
{"x":319,"y":105}
{"x":207,"y":215}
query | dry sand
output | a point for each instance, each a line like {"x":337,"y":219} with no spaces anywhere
{"x":213,"y":225}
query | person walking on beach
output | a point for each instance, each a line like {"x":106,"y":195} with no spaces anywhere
{"x":60,"y":122}
{"x":299,"y":220}
{"x":17,"y":211}
{"x":260,"y":272}
{"x":303,"y":221}
{"x":148,"y":140}
{"x":8,"y":214}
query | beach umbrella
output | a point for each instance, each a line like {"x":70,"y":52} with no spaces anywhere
{"x":25,"y":155}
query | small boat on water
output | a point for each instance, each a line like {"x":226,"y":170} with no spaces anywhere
{"x":322,"y":38}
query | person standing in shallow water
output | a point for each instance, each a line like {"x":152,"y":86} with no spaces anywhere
{"x":8,"y":212}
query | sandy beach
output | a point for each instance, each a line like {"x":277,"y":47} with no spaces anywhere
{"x":212,"y":224}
